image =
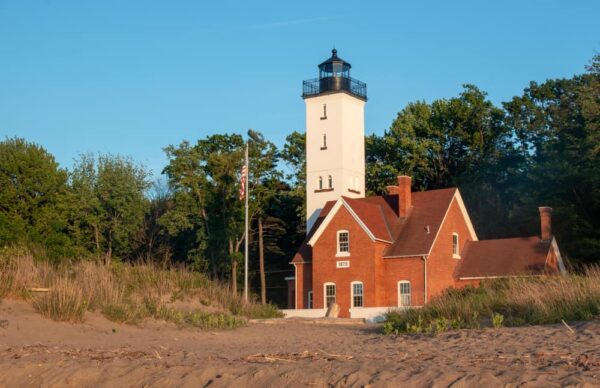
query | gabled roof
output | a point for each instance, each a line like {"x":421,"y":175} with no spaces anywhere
{"x":416,"y":233}
{"x":378,"y":216}
{"x":370,"y":217}
{"x":505,"y":257}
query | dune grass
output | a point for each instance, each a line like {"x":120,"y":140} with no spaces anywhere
{"x":505,"y":302}
{"x":126,"y":293}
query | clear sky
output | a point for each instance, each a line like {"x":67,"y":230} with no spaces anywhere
{"x":132,"y":77}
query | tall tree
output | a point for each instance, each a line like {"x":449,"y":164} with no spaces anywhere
{"x":264,"y":180}
{"x":32,"y":195}
{"x":109,"y":203}
{"x":557,"y":126}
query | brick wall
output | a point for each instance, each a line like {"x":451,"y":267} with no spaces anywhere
{"x":440,"y":264}
{"x":362,"y":263}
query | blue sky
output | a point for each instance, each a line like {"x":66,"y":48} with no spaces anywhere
{"x":132,"y":77}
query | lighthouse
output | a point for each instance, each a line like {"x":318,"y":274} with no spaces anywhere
{"x":335,"y":136}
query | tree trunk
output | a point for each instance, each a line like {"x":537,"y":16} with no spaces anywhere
{"x":108,"y":256}
{"x":233,"y":268}
{"x":97,"y":239}
{"x":261,"y":262}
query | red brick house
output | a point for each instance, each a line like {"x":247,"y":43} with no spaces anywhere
{"x":397,"y":250}
{"x":401,"y":249}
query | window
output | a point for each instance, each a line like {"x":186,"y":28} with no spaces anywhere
{"x":329,"y":294}
{"x":343,"y":245}
{"x":330,"y":182}
{"x":320,"y":183}
{"x":310,"y":299}
{"x":455,"y":246}
{"x":324,"y":146}
{"x":324,"y":112}
{"x":357,"y":294}
{"x":404,"y":293}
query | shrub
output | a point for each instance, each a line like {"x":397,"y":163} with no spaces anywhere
{"x":497,"y":320}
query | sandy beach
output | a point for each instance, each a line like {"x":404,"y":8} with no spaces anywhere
{"x":37,"y":352}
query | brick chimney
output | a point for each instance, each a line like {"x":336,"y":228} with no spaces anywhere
{"x":546,"y":222}
{"x":391,"y":190}
{"x":404,"y":195}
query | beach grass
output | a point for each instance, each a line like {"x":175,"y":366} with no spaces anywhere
{"x":495,"y":303}
{"x":126,"y":293}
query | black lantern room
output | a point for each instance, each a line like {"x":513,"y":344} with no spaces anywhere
{"x":334,"y":77}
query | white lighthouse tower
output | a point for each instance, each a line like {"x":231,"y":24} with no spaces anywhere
{"x":335,"y":136}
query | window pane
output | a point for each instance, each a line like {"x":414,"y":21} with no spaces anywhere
{"x":329,"y":294}
{"x":343,"y":242}
{"x":404,"y":294}
{"x":357,"y":295}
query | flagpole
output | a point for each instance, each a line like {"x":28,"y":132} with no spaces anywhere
{"x":246,"y":228}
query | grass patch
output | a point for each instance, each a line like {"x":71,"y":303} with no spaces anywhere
{"x":505,"y":302}
{"x":65,"y":301}
{"x":126,"y":293}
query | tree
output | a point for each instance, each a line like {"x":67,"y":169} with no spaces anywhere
{"x":32,"y":194}
{"x":460,"y":142}
{"x":109,"y":203}
{"x":557,"y":126}
{"x":294,"y":156}
{"x":264,"y":180}
{"x":207,"y":215}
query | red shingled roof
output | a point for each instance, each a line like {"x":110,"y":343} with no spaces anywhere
{"x":503,"y":257}
{"x":411,"y":237}
{"x":407,"y":236}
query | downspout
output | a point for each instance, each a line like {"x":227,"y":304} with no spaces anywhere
{"x":295,"y":287}
{"x":424,"y":257}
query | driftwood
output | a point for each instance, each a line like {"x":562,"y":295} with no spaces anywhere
{"x":40,"y":289}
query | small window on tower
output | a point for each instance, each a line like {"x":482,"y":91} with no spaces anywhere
{"x":330,"y":182}
{"x":324,"y":146}
{"x":320,"y":183}
{"x":324,"y":117}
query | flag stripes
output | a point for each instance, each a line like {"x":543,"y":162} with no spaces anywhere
{"x":243,"y":182}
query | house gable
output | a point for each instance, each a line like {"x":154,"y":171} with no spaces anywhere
{"x":343,"y":203}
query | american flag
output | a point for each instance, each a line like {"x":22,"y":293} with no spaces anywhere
{"x":243,"y":182}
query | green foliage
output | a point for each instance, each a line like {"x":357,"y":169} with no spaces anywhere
{"x":32,"y":198}
{"x":497,"y":320}
{"x":108,"y":204}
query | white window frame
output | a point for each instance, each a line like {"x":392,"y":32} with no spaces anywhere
{"x":455,"y":247}
{"x":341,"y":253}
{"x":325,"y":293}
{"x":400,"y":295}
{"x":309,"y":300}
{"x":352,"y":295}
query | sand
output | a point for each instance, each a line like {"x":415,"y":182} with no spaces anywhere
{"x":39,"y":352}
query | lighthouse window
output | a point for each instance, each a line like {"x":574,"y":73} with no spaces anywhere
{"x":330,"y":182}
{"x":324,"y":112}
{"x":324,"y":146}
{"x":320,"y":183}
